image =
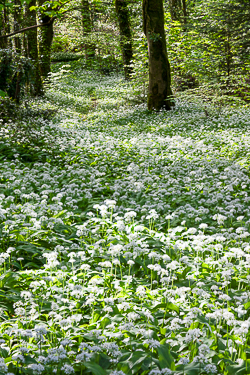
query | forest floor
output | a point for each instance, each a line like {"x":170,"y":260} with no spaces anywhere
{"x":124,"y":235}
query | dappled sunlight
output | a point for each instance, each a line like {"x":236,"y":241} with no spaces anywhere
{"x":125,"y":236}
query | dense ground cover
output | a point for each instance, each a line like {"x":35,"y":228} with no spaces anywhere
{"x":124,"y":235}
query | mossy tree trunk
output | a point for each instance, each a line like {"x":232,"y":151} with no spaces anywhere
{"x":125,"y":35}
{"x":45,"y":41}
{"x":3,"y":41}
{"x":87,"y":27}
{"x":7,"y":14}
{"x":32,"y":49}
{"x":18,"y":23}
{"x":159,"y":67}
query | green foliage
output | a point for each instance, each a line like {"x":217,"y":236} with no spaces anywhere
{"x":65,"y":56}
{"x":61,"y":43}
{"x":16,"y":72}
{"x":213,"y":48}
{"x":8,"y":108}
{"x":124,"y":234}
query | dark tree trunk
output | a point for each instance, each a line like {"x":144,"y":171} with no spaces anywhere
{"x":45,"y":42}
{"x":7,"y":26}
{"x":159,"y":67}
{"x":17,"y":24}
{"x":3,"y":41}
{"x":32,"y":49}
{"x":175,"y":9}
{"x":184,"y":9}
{"x":125,"y":35}
{"x":87,"y":28}
{"x":178,"y":11}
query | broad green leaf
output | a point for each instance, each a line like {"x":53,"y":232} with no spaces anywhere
{"x":95,"y":368}
{"x":165,"y":357}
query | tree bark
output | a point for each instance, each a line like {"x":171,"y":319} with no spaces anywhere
{"x":87,"y":28}
{"x":178,"y":11}
{"x":45,"y":42}
{"x":3,"y":41}
{"x":17,"y":24}
{"x":32,"y":49}
{"x":175,"y":9}
{"x":159,"y":67}
{"x":184,"y":9}
{"x":7,"y":14}
{"x":125,"y":36}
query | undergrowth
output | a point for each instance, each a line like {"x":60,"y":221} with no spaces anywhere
{"x":124,"y":234}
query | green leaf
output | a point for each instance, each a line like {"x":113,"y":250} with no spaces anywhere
{"x":4,"y":353}
{"x":168,"y":306}
{"x":239,"y":369}
{"x":193,"y":369}
{"x":165,"y":358}
{"x":29,"y":360}
{"x":3,"y":94}
{"x":135,"y":361}
{"x":105,"y":322}
{"x":95,"y":368}
{"x":247,"y":305}
{"x":222,"y":344}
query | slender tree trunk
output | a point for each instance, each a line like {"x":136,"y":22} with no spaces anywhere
{"x":175,"y":9}
{"x":45,"y":42}
{"x":87,"y":28}
{"x":25,"y":45}
{"x":184,"y":9}
{"x":159,"y":67}
{"x":7,"y":26}
{"x":125,"y":35}
{"x":3,"y":41}
{"x":32,"y":49}
{"x":178,"y":11}
{"x":17,"y":24}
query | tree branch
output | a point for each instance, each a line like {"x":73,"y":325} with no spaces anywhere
{"x":40,"y":25}
{"x":28,"y":28}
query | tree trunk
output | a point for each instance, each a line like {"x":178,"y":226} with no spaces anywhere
{"x":159,"y":67}
{"x":7,"y":22}
{"x":178,"y":11}
{"x":175,"y":9}
{"x":87,"y":28}
{"x":32,"y":49}
{"x":3,"y":41}
{"x":125,"y":35}
{"x":17,"y":24}
{"x":184,"y":9}
{"x":45,"y":42}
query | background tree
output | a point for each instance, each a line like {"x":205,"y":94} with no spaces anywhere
{"x":125,"y":35}
{"x":45,"y":40}
{"x":32,"y":48}
{"x":18,"y":18}
{"x":87,"y":27}
{"x":3,"y":41}
{"x":159,"y":68}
